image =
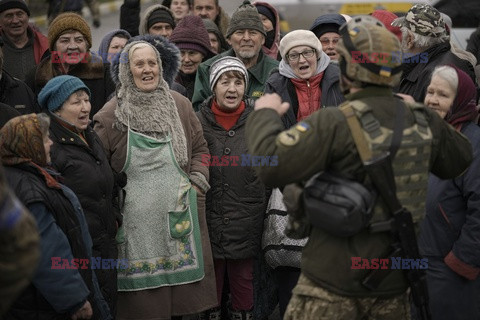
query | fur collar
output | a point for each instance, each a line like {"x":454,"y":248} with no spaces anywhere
{"x":47,"y":70}
{"x":169,"y":53}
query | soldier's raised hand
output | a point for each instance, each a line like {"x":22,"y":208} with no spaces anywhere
{"x":272,"y":101}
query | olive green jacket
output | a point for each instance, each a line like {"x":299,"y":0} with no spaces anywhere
{"x":323,"y":142}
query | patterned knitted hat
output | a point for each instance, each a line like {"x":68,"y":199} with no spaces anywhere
{"x":245,"y":17}
{"x":67,"y":21}
{"x":223,"y":65}
{"x":191,"y":34}
{"x":299,"y":38}
{"x":58,"y":90}
{"x":13,"y":4}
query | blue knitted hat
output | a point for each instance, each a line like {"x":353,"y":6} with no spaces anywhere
{"x":58,"y":90}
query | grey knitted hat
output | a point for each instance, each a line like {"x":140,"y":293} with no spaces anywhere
{"x":245,"y":17}
{"x":223,"y":65}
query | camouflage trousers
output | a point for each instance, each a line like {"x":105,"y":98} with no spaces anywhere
{"x":309,"y":301}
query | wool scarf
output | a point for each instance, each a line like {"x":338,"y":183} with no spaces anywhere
{"x":152,"y":113}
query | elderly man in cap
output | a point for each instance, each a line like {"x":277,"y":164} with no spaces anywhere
{"x":425,"y":44}
{"x":70,"y":40}
{"x":246,"y":36}
{"x":326,"y":29}
{"x":158,"y":20}
{"x":23,"y":45}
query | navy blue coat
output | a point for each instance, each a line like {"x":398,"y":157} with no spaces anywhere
{"x":450,"y":239}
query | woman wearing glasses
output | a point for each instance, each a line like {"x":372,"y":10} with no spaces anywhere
{"x":305,"y":77}
{"x":308,"y":81}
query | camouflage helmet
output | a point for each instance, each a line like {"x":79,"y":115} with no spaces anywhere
{"x":369,"y":53}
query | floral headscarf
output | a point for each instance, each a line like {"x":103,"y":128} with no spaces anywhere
{"x":21,"y":142}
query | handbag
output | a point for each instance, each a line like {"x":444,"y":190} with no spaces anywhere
{"x":279,"y":249}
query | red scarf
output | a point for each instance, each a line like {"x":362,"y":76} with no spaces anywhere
{"x":227,"y":119}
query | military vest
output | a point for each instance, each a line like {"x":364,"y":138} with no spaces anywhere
{"x":411,"y":162}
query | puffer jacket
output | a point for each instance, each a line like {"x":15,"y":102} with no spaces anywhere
{"x":236,"y":202}
{"x":331,"y":94}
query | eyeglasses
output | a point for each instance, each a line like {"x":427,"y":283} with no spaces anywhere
{"x":326,"y":41}
{"x":295,"y":56}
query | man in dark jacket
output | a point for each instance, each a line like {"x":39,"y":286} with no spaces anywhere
{"x":426,"y":45}
{"x":246,"y":35}
{"x":70,"y":40}
{"x":330,"y":286}
{"x":24,"y":44}
{"x":16,"y":93}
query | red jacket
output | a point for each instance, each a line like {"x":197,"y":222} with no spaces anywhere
{"x":40,"y":43}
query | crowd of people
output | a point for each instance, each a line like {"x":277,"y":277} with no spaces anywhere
{"x":161,"y":176}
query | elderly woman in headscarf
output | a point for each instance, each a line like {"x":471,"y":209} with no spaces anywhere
{"x":64,"y":285}
{"x":112,"y":44}
{"x":152,"y":134}
{"x":450,"y":233}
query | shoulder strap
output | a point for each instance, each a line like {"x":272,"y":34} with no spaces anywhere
{"x":357,"y":132}
{"x":373,"y":126}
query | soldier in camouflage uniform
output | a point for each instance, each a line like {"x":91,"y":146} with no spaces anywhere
{"x":328,"y":287}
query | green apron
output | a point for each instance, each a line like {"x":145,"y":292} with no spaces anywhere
{"x":160,"y":235}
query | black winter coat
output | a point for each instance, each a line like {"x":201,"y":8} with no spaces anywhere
{"x":86,"y":170}
{"x":237,"y":200}
{"x":331,"y":94}
{"x":30,"y":188}
{"x":17,"y":94}
{"x":7,"y":113}
{"x":417,"y":74}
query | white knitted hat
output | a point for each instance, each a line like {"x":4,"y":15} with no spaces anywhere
{"x":299,"y":38}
